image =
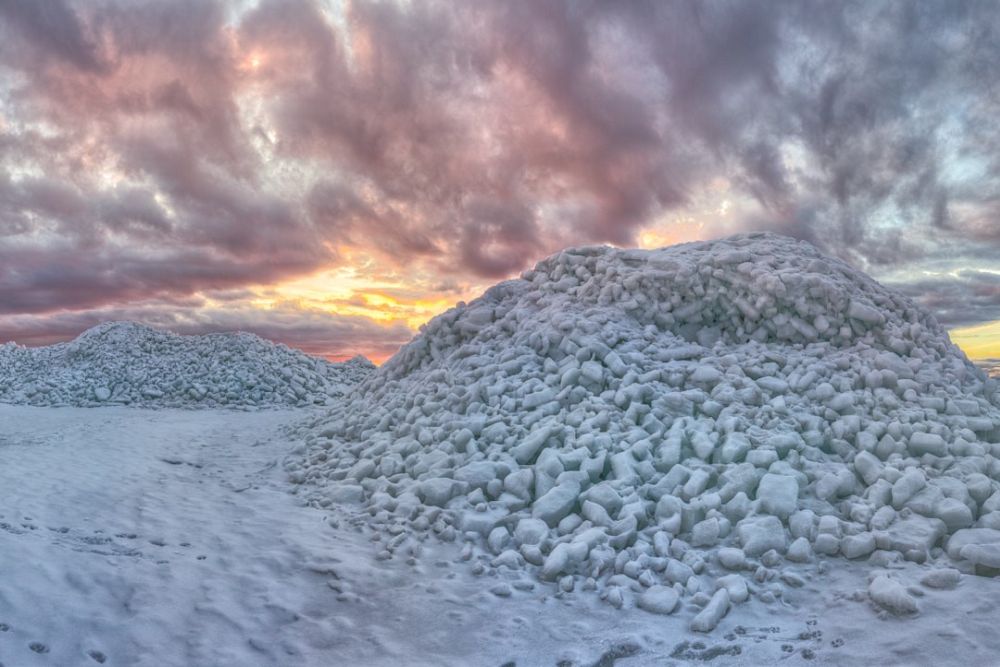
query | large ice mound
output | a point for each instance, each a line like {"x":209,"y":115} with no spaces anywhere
{"x":127,"y":363}
{"x":699,"y":423}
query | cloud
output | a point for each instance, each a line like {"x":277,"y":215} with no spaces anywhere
{"x":959,"y":300}
{"x":158,"y":150}
{"x":50,"y":30}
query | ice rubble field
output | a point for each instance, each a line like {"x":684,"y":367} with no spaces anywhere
{"x":127,"y":363}
{"x":679,"y":430}
{"x":591,"y":465}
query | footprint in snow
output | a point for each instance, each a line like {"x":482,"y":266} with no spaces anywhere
{"x":699,"y":651}
{"x":758,"y":634}
{"x":607,"y":659}
{"x":10,"y":529}
{"x":812,"y":636}
{"x":612,"y":655}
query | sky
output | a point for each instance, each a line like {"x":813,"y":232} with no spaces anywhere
{"x":333,"y":174}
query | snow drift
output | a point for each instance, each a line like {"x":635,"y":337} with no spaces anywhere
{"x":127,"y":363}
{"x":695,"y":425}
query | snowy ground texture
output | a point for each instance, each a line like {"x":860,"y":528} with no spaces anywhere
{"x":167,"y":538}
{"x":682,"y":430}
{"x":124,"y":363}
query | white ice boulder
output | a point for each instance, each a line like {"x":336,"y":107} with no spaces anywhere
{"x":799,"y":551}
{"x":474,"y":521}
{"x":530,"y":447}
{"x":927,"y":443}
{"x":916,"y":535}
{"x":557,"y":503}
{"x":961,"y":538}
{"x":736,"y":585}
{"x":955,"y":514}
{"x":857,"y":546}
{"x":705,"y":533}
{"x":706,"y":375}
{"x":709,"y":617}
{"x":912,"y":481}
{"x":346,"y":493}
{"x":606,"y":496}
{"x":865,"y":313}
{"x":530,"y":531}
{"x":760,"y":534}
{"x":563,"y":559}
{"x":438,"y":491}
{"x":868,"y":467}
{"x":732,"y":558}
{"x":477,"y":474}
{"x":658,"y":600}
{"x":734,"y":448}
{"x":778,"y":494}
{"x":944,"y":577}
{"x":891,"y":596}
{"x":987,"y":555}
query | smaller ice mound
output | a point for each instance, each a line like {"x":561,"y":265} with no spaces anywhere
{"x":124,"y":363}
{"x":990,"y":366}
{"x":693,"y":426}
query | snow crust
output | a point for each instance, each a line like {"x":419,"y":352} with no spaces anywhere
{"x":127,"y":363}
{"x":715,"y":417}
{"x":192,"y":552}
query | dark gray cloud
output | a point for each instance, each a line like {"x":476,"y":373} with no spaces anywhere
{"x":48,"y":30}
{"x":963,"y":299}
{"x":159,"y":150}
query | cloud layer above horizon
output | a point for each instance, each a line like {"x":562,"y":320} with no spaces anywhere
{"x":331,"y":174}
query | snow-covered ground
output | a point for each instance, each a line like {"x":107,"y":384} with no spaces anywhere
{"x":168,"y":537}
